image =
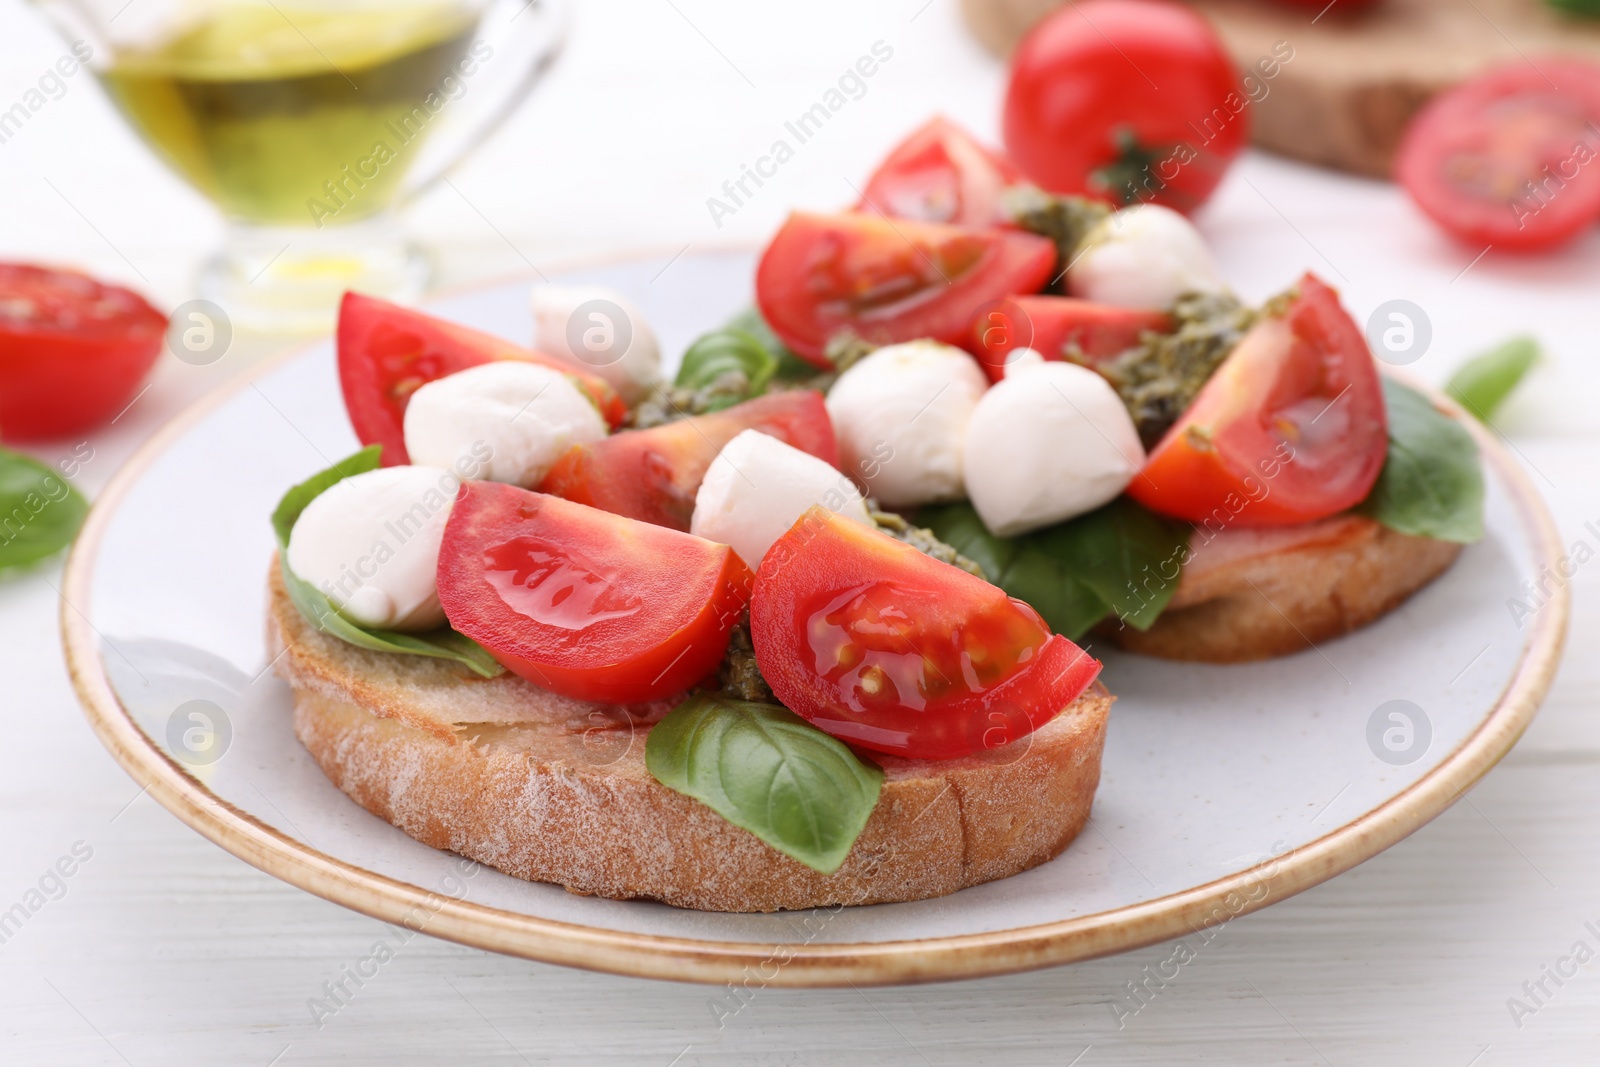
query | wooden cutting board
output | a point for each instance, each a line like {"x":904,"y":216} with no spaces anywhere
{"x":1355,"y":79}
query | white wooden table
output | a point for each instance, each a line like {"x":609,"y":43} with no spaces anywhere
{"x":164,"y":950}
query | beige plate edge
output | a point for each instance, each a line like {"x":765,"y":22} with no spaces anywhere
{"x":780,"y":964}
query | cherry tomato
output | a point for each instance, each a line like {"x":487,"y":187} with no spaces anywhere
{"x":653,"y":475}
{"x":1510,"y":158}
{"x":1289,"y":429}
{"x":940,"y":174}
{"x":1127,"y":100}
{"x":72,"y":350}
{"x":584,"y":603}
{"x":889,"y":280}
{"x":1050,"y":325}
{"x":387,"y":352}
{"x":887,"y":648}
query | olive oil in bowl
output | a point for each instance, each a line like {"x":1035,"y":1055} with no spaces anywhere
{"x":293,"y":115}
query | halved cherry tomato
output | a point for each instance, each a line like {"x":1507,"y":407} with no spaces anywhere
{"x":72,"y":350}
{"x":1290,"y":428}
{"x":889,"y":280}
{"x":1051,"y":324}
{"x":653,"y":474}
{"x":387,"y":352}
{"x":1511,"y":158}
{"x":1127,"y":100}
{"x":584,"y":603}
{"x":940,"y":174}
{"x":887,"y":648}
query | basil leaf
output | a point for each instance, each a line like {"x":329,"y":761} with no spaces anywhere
{"x":723,"y":353}
{"x":316,"y":608}
{"x":1120,"y":560}
{"x":40,"y":513}
{"x":790,"y":368}
{"x":766,"y":770}
{"x":1431,"y":484}
{"x":1483,"y":382}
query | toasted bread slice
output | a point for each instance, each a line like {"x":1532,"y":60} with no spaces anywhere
{"x":1249,"y":594}
{"x":555,"y":790}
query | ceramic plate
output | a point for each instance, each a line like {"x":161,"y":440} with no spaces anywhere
{"x":1225,"y":788}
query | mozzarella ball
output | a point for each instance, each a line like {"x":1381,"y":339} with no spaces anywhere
{"x":1051,"y":441}
{"x":600,"y":331}
{"x":515,"y":419}
{"x":759,"y":486}
{"x":900,"y":414}
{"x":1145,"y":256}
{"x":370,"y":543}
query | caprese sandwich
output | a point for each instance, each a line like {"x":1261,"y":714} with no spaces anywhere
{"x":800,"y":627}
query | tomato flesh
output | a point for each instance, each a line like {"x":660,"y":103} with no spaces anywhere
{"x":387,"y":352}
{"x":583,"y":603}
{"x":1127,"y":100}
{"x":940,"y":174}
{"x":885,"y":647}
{"x":1051,"y":325}
{"x":1510,"y":158}
{"x":653,"y":475}
{"x":1290,"y":428}
{"x":72,"y":350}
{"x":889,"y":280}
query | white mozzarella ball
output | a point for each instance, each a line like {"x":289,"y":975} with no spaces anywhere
{"x":370,"y":543}
{"x":598,"y":330}
{"x":1145,"y":256}
{"x":514,"y":418}
{"x":900,"y":414}
{"x":1051,"y":441}
{"x":759,"y":486}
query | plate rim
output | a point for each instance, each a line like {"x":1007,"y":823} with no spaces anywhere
{"x":783,"y":964}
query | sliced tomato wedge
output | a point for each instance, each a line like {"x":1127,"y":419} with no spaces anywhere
{"x":941,"y":174}
{"x":583,"y":603}
{"x":1510,"y":158}
{"x":889,"y":280}
{"x":885,"y":647}
{"x":1055,"y":325}
{"x":1289,"y":429}
{"x":387,"y":352}
{"x":72,"y":350}
{"x":653,"y":475}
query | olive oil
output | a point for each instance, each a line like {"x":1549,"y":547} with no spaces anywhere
{"x":288,"y":115}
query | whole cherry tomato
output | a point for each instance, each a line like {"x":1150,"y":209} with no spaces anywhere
{"x":1127,"y":100}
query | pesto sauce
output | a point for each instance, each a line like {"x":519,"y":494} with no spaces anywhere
{"x":1160,"y":377}
{"x":1066,"y":220}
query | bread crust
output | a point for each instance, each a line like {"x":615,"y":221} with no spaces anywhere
{"x":556,"y":790}
{"x":1252,"y":594}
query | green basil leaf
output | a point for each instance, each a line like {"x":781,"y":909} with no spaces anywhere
{"x":1431,"y":484}
{"x":766,"y":770}
{"x":1482,"y":383}
{"x":1120,"y":560}
{"x":790,"y":368}
{"x":723,"y":352}
{"x":296,"y":499}
{"x":316,"y":608}
{"x":40,"y":513}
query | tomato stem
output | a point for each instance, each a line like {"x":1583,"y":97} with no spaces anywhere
{"x":1130,"y":177}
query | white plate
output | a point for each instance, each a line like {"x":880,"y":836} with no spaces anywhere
{"x":1224,"y":788}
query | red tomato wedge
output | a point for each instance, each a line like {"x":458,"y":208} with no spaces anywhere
{"x":885,"y":647}
{"x":583,"y":603}
{"x":72,"y":350}
{"x":940,"y":174}
{"x":1051,"y":325}
{"x":387,"y":352}
{"x":1511,"y":158}
{"x":889,"y":280}
{"x":1289,"y":429}
{"x":652,"y":475}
